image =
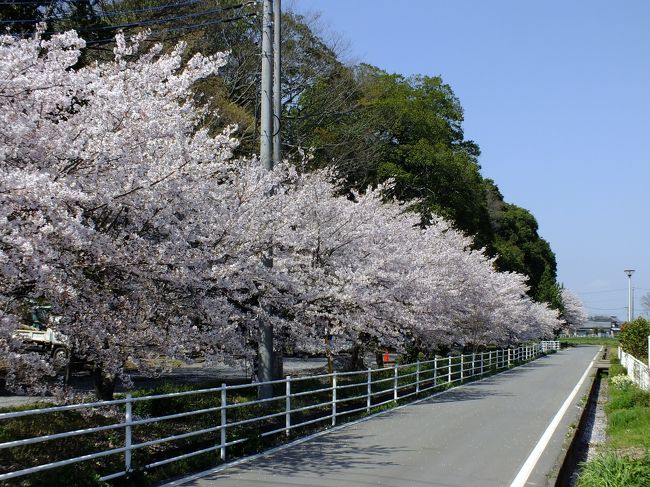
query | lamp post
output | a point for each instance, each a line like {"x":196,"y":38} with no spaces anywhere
{"x":630,"y":304}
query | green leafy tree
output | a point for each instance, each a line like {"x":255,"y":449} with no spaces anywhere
{"x":387,"y":126}
{"x":15,"y":14}
{"x":520,"y":248}
{"x":634,"y":337}
{"x":548,"y":291}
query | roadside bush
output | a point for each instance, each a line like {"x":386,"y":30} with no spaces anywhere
{"x":613,"y":470}
{"x":634,"y":338}
{"x":81,"y":474}
{"x":172,"y":405}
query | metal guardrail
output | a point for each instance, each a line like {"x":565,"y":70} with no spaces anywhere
{"x":636,"y":370}
{"x":368,"y":388}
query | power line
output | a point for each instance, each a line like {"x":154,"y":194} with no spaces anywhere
{"x":140,"y":22}
{"x":600,"y":292}
{"x":164,"y":21}
{"x":112,"y":13}
{"x":177,"y":29}
{"x":605,"y":309}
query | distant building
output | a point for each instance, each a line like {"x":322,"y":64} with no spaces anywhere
{"x":605,"y":328}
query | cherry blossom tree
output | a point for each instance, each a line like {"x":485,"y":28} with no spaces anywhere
{"x":117,"y":210}
{"x":145,"y":234}
{"x":368,"y":273}
{"x":574,"y":312}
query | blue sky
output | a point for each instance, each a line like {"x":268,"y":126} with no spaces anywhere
{"x":556,"y":93}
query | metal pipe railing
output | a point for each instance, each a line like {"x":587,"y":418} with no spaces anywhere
{"x":402,"y":383}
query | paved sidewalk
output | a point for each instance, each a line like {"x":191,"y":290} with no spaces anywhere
{"x":479,"y":434}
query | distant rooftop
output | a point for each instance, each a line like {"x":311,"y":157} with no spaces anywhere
{"x":601,"y":325}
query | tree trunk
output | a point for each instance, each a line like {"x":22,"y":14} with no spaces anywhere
{"x":104,"y":384}
{"x":356,"y":358}
{"x":328,"y":354}
{"x":379,"y":357}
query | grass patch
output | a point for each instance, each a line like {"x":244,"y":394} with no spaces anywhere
{"x":615,"y":367}
{"x":574,"y":341}
{"x":629,"y":398}
{"x":628,"y":429}
{"x":628,"y":411}
{"x":614,"y":470}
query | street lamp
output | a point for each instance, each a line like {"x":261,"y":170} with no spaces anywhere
{"x":630,"y":304}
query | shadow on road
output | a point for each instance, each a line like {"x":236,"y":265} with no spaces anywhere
{"x":465,"y":393}
{"x":321,"y":456}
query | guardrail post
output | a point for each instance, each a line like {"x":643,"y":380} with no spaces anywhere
{"x":482,"y":358}
{"x":417,"y":377}
{"x":509,"y":355}
{"x":222,"y":450}
{"x":287,"y":427}
{"x":128,"y":436}
{"x":461,"y":368}
{"x":473,"y":364}
{"x":369,"y":393}
{"x":334,"y":398}
{"x":395,"y":382}
{"x":449,"y":370}
{"x":435,"y":371}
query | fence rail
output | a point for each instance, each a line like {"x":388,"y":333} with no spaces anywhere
{"x":550,"y":345}
{"x":636,"y":370}
{"x":337,"y":395}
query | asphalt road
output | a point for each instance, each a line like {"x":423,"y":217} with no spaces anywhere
{"x":479,"y":434}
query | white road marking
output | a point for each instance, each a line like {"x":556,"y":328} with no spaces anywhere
{"x":531,"y":461}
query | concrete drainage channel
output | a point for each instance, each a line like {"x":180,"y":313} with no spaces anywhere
{"x":589,"y":430}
